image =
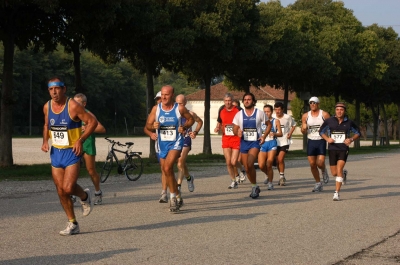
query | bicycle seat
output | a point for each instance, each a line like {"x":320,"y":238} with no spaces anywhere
{"x":129,"y":144}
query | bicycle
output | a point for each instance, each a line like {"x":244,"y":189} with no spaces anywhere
{"x":132,"y":165}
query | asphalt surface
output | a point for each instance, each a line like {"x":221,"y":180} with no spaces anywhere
{"x":289,"y":225}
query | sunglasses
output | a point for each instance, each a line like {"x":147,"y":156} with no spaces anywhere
{"x":313,"y":103}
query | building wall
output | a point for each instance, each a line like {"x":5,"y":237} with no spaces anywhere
{"x":198,"y":108}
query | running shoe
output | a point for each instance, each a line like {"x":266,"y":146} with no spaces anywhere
{"x":242,"y":176}
{"x":270,"y":186}
{"x":98,"y":198}
{"x":173,"y":205}
{"x":71,"y":229}
{"x":180,"y":201}
{"x":237,"y":179}
{"x":255,"y":192}
{"x":282,"y":181}
{"x":336,"y":196}
{"x":266,"y":181}
{"x":164,"y":198}
{"x":318,"y":187}
{"x":325,"y":176}
{"x":87,"y":205}
{"x":234,"y":185}
{"x":73,"y":198}
{"x":344,"y":176}
{"x":190,"y":183}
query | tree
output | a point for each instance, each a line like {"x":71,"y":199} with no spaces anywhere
{"x":21,"y":23}
{"x":146,"y":33}
{"x":221,"y":29}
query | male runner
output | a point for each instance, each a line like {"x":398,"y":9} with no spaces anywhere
{"x":187,"y":146}
{"x":165,"y":119}
{"x":89,"y":151}
{"x":288,"y":125}
{"x":247,"y":125}
{"x":230,"y":142}
{"x":336,"y":131}
{"x":153,"y":136}
{"x":63,"y":119}
{"x":316,"y":145}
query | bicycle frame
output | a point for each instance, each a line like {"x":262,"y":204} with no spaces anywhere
{"x":132,"y":165}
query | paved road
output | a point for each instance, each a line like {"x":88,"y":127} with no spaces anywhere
{"x":289,"y":225}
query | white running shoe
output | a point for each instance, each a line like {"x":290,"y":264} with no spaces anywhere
{"x":164,"y":198}
{"x":87,"y":205}
{"x":270,"y":186}
{"x":282,"y":181}
{"x":234,"y":185}
{"x":71,"y":229}
{"x":242,"y":176}
{"x":336,"y":196}
{"x":173,"y":205}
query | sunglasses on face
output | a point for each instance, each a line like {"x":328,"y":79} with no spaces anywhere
{"x":313,"y":103}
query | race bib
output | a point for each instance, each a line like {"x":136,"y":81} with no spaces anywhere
{"x":229,"y":129}
{"x":339,"y":137}
{"x":313,"y":130}
{"x":59,"y":135}
{"x":250,"y":134}
{"x":168,"y":133}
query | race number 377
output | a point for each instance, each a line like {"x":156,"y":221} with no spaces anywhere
{"x":339,"y":137}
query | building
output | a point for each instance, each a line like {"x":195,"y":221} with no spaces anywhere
{"x":264,"y":95}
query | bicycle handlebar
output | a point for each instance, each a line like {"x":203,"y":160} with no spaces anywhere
{"x":114,"y":142}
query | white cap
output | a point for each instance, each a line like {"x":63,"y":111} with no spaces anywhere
{"x":158,"y":95}
{"x":315,"y":99}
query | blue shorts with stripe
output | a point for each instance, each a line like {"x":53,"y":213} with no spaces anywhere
{"x":168,"y":146}
{"x":269,"y":146}
{"x":245,"y":146}
{"x":62,"y":158}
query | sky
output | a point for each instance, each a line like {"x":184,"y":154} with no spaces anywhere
{"x":385,"y":13}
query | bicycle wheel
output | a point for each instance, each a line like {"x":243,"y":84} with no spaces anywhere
{"x":133,"y":167}
{"x":106,"y":169}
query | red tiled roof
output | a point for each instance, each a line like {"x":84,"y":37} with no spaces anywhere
{"x":219,"y":90}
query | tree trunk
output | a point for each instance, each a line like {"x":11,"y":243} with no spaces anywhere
{"x":398,"y":120}
{"x":150,"y":103}
{"x":375,"y":126}
{"x":207,"y":106}
{"x":385,"y":123}
{"x":305,"y":139}
{"x":6,"y":124}
{"x":286,"y":98}
{"x":77,"y":67}
{"x":357,"y":142}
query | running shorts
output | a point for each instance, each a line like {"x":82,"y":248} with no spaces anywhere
{"x":62,"y":158}
{"x":316,"y":147}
